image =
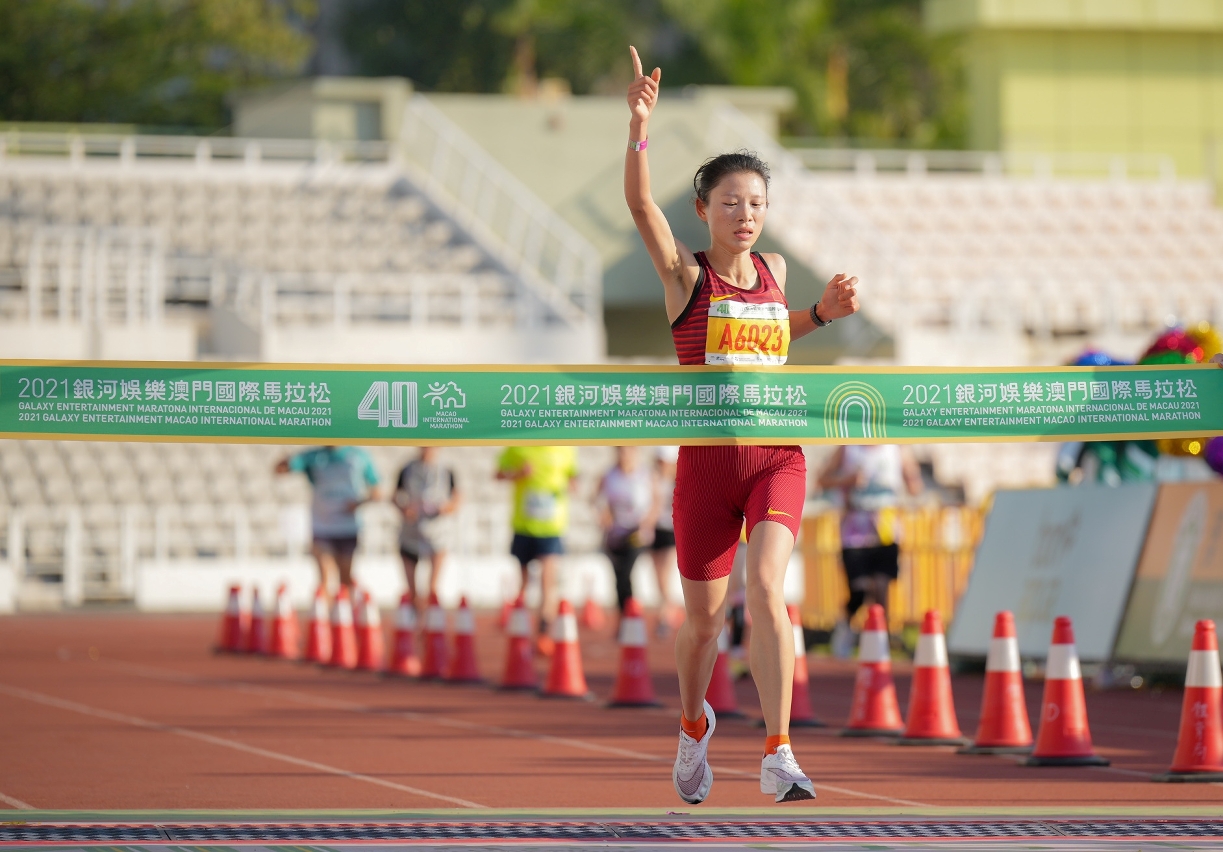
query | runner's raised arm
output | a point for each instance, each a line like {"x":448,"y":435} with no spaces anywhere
{"x":675,"y":263}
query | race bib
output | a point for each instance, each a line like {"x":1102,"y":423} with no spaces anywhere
{"x":539,"y":505}
{"x":742,"y":333}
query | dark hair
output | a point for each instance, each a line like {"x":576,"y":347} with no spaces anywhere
{"x":712,"y":171}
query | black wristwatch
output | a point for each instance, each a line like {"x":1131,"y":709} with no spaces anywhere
{"x":815,"y":317}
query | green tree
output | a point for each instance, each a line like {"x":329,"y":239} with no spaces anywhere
{"x":166,"y":62}
{"x":860,"y":68}
{"x":509,"y":45}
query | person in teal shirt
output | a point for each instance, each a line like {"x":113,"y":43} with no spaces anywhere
{"x":344,"y":478}
{"x":542,"y":478}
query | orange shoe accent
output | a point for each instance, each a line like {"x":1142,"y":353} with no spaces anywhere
{"x":545,"y":645}
{"x":696,"y":729}
{"x":771,"y":743}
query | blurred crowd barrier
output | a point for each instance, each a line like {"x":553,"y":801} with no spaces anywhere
{"x":937,"y":545}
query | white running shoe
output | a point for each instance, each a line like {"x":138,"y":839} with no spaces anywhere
{"x":781,"y":776}
{"x":692,"y":776}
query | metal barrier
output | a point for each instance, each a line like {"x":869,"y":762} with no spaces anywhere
{"x":937,"y":547}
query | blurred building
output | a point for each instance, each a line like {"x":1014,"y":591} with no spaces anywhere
{"x":1108,"y":77}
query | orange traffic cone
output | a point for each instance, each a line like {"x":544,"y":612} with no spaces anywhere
{"x":403,"y":655}
{"x":435,"y":640}
{"x":234,"y":623}
{"x":318,"y":631}
{"x":285,"y":642}
{"x":721,"y":691}
{"x":1064,"y":738}
{"x":519,"y":658}
{"x":565,"y":676}
{"x":931,"y":708}
{"x":633,"y":685}
{"x":503,"y":617}
{"x":1199,"y":748}
{"x":463,"y":666}
{"x":257,"y":632}
{"x":343,"y":637}
{"x":1004,"y":727}
{"x":370,"y":646}
{"x":801,"y":714}
{"x":875,"y":711}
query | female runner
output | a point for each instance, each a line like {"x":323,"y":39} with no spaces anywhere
{"x":727,"y":305}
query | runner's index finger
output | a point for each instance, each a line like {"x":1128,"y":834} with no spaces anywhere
{"x":636,"y":61}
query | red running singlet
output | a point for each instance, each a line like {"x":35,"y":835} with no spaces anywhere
{"x":718,"y":488}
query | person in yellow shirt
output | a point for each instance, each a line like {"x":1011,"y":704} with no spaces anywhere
{"x":542,"y":478}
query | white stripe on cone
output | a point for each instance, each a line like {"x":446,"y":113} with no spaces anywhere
{"x":520,"y":623}
{"x":405,"y":617}
{"x":1003,"y":655}
{"x":565,"y":629}
{"x":873,"y":647}
{"x":1062,"y":663}
{"x":343,"y":614}
{"x":320,"y":609}
{"x":800,"y":647}
{"x":435,"y":620}
{"x":632,"y":633}
{"x":234,"y":607}
{"x":931,"y":651}
{"x":282,"y":604}
{"x":464,"y":622}
{"x":373,"y":618}
{"x":724,"y":640}
{"x":1204,"y":669}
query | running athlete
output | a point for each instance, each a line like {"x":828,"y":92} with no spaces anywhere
{"x":727,"y":305}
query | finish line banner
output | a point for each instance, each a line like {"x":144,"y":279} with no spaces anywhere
{"x":329,"y":404}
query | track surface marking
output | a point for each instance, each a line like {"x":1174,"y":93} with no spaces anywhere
{"x":316,"y":738}
{"x":124,"y":719}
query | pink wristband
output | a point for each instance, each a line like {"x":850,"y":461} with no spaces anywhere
{"x":638,"y":146}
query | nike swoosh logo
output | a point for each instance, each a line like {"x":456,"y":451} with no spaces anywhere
{"x":721,"y":298}
{"x":775,"y":512}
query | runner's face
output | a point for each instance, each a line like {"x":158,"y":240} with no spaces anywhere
{"x":735,"y":212}
{"x":627,"y":458}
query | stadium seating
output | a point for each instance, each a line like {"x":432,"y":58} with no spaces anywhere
{"x":114,"y":504}
{"x":1047,"y":266}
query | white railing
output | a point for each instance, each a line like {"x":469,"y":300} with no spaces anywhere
{"x":95,"y":275}
{"x":548,"y":256}
{"x":1009,"y":163}
{"x":200,"y":150}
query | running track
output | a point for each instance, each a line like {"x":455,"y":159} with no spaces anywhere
{"x":122,"y":711}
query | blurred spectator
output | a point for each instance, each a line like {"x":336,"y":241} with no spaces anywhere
{"x":424,"y":492}
{"x":871,"y":480}
{"x":542,"y":477}
{"x":343,"y":478}
{"x":1106,"y":462}
{"x":627,"y":511}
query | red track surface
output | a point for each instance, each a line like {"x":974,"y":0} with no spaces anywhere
{"x":105,"y":711}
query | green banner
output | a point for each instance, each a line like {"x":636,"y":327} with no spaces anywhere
{"x":334,"y":404}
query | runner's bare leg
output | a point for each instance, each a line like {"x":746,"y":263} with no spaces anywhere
{"x":772,"y":645}
{"x":696,"y":641}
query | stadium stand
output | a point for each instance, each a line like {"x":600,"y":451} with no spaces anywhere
{"x":175,"y":247}
{"x":286,"y":250}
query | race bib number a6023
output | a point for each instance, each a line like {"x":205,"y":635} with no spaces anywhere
{"x":741,"y":333}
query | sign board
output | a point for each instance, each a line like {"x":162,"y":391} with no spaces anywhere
{"x":330,"y":404}
{"x":1049,"y":552}
{"x":1180,"y":575}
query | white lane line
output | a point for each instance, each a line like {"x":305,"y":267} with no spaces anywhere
{"x":136,"y":721}
{"x":15,"y":803}
{"x":461,"y":724}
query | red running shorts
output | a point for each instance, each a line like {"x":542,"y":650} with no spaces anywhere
{"x":717,"y":488}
